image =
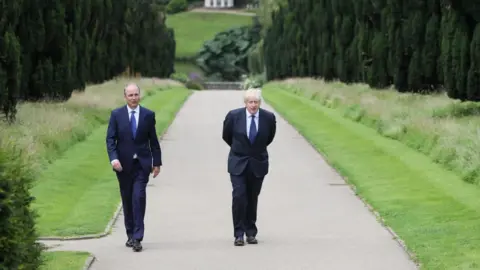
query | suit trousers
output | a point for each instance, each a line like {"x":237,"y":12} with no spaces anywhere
{"x":133,"y":187}
{"x":246,"y":189}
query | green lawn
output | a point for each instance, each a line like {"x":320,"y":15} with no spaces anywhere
{"x":187,"y":68}
{"x":78,"y":193}
{"x":430,"y":208}
{"x":192,"y":29}
{"x":64,"y":260}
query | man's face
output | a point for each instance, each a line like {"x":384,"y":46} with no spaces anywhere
{"x":132,"y":96}
{"x":252,"y":104}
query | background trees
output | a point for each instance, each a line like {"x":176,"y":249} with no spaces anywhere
{"x":49,"y":49}
{"x":415,"y":45}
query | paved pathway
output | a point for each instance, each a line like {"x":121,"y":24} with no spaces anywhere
{"x":305,"y":222}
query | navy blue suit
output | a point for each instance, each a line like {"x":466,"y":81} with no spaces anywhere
{"x":247,"y":164}
{"x":138,"y":153}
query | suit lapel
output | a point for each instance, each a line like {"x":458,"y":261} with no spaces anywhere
{"x":261,"y":122}
{"x":243,"y":121}
{"x":140,"y":120}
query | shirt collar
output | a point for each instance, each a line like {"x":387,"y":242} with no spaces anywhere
{"x":249,"y":114}
{"x":136,"y":109}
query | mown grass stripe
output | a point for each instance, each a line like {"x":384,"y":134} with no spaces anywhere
{"x":431,"y":209}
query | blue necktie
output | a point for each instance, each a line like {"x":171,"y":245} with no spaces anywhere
{"x":133,"y":124}
{"x":253,"y":130}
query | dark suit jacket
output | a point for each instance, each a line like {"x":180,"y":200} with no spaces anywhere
{"x":122,"y":146}
{"x":242,"y":152}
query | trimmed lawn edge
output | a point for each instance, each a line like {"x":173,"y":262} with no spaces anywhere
{"x":89,"y":262}
{"x":106,"y":232}
{"x":108,"y":229}
{"x":60,"y":259}
{"x":428,"y":206}
{"x":353,"y":188}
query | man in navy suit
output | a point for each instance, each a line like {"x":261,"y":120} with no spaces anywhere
{"x":248,"y":131}
{"x":134,"y":153}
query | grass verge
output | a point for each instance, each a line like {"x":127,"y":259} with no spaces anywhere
{"x":432,"y":211}
{"x":78,"y":193}
{"x":44,"y":130}
{"x":187,"y":68}
{"x":63,"y":260}
{"x":192,"y":29}
{"x":444,"y":129}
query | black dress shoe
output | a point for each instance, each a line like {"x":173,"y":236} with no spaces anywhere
{"x":239,"y":241}
{"x":129,"y":243}
{"x":137,"y":246}
{"x":252,"y":240}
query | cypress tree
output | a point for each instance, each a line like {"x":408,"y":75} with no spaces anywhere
{"x":416,"y":45}
{"x":65,"y":45}
{"x":473,"y":79}
{"x":430,"y":52}
{"x":10,"y":73}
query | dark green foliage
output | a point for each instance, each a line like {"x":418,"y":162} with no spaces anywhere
{"x":194,"y":85}
{"x":255,"y":59}
{"x":473,"y":79}
{"x":50,"y":48}
{"x":176,"y":6}
{"x":414,"y":45}
{"x":226,"y":56}
{"x":18,"y":247}
{"x":10,"y":58}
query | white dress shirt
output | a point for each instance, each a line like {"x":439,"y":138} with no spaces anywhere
{"x":137,"y":114}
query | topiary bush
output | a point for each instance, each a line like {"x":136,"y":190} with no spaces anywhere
{"x":176,"y":6}
{"x":226,"y":55}
{"x":195,"y":81}
{"x":18,"y":247}
{"x":179,"y":77}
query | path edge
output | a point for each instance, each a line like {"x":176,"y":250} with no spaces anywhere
{"x":116,"y":214}
{"x":89,"y":262}
{"x":106,"y":232}
{"x":353,"y":189}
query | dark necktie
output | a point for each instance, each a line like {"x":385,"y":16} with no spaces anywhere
{"x":133,"y":124}
{"x":253,"y":130}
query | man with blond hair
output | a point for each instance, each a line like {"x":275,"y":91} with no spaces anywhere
{"x":248,"y":131}
{"x":134,"y":152}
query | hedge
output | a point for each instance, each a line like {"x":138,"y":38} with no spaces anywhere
{"x":18,"y":247}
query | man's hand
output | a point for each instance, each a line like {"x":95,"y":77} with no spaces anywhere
{"x":155,"y":171}
{"x":116,"y":165}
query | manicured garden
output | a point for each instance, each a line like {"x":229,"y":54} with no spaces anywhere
{"x":364,"y":134}
{"x":193,"y":29}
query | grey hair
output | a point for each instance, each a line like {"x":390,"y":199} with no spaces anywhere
{"x":129,"y":84}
